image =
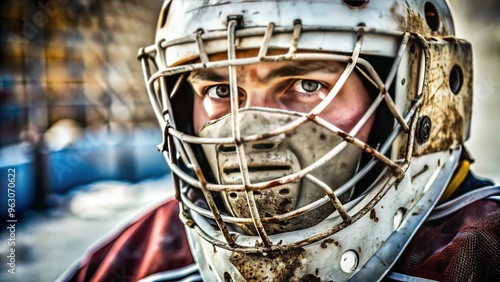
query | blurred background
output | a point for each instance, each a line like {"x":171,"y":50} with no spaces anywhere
{"x":76,"y":124}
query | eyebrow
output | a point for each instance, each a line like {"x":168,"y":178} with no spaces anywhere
{"x":295,"y":69}
{"x":209,"y":75}
{"x":298,"y":69}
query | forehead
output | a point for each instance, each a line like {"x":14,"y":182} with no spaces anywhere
{"x":265,"y":71}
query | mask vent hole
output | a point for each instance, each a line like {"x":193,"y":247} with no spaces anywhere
{"x":431,"y":16}
{"x":227,"y":148}
{"x":284,"y":191}
{"x":359,"y":4}
{"x":163,"y":16}
{"x":398,"y":217}
{"x":227,"y":277}
{"x":269,"y":168}
{"x":456,"y":79}
{"x":412,"y":48}
{"x":257,"y":193}
{"x":233,"y":195}
{"x":259,"y":169}
{"x":263,"y":146}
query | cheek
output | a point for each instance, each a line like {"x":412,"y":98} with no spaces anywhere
{"x":365,"y":131}
{"x":345,"y":118}
{"x":349,"y":107}
{"x":342,"y":116}
{"x":200,"y":115}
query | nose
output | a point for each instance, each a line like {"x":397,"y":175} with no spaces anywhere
{"x":259,"y":98}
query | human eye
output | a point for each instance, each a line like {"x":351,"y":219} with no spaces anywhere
{"x":309,"y":88}
{"x":220,"y":91}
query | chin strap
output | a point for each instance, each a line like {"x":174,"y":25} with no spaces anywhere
{"x":458,"y":178}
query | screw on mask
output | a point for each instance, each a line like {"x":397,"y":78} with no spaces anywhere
{"x":270,"y":159}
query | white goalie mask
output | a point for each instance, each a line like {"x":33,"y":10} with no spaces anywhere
{"x":282,"y":193}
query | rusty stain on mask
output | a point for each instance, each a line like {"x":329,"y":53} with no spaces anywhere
{"x":328,"y":241}
{"x":416,"y":23}
{"x":280,"y":266}
{"x":412,"y":18}
{"x":450,"y":113}
{"x":373,"y":215}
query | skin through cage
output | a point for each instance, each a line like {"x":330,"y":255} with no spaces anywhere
{"x":175,"y":139}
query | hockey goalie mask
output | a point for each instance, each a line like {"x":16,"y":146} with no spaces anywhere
{"x":307,"y":139}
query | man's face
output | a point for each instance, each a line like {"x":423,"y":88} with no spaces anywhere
{"x":289,"y":85}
